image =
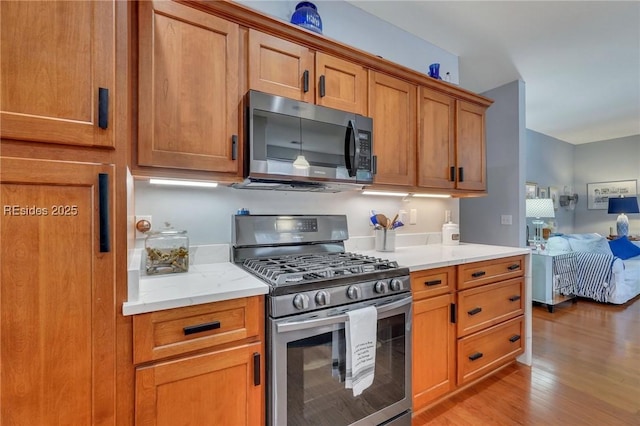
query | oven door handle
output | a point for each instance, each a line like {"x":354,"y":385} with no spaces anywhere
{"x":336,"y":319}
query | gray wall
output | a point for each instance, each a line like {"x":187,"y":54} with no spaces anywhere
{"x":550,"y":162}
{"x":353,"y":26}
{"x":480,"y":218}
{"x":617,"y":159}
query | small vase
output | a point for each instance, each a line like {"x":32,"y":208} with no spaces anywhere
{"x":306,"y":15}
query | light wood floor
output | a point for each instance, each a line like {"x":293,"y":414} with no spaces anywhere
{"x":586,"y":371}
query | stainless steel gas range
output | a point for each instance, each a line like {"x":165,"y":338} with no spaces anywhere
{"x":314,"y":285}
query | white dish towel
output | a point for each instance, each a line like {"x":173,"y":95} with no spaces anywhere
{"x":361,"y":334}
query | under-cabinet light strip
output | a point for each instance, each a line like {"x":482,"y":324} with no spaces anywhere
{"x":176,"y":182}
{"x":431,"y":195}
{"x":391,"y":194}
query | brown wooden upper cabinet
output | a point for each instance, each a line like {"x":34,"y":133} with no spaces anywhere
{"x":284,"y":68}
{"x":58,"y":72}
{"x":188,"y":88}
{"x":392,"y":105}
{"x":451,"y":147}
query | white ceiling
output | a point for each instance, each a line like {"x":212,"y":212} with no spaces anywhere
{"x":580,"y":60}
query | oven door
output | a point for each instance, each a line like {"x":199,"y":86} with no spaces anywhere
{"x":306,"y":368}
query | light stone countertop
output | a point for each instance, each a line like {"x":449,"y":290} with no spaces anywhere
{"x":431,"y":256}
{"x":222,"y":280}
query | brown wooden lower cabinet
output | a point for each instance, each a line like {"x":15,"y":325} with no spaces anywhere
{"x":57,"y":306}
{"x":461,"y":336}
{"x":213,"y":388}
{"x":201,"y":364}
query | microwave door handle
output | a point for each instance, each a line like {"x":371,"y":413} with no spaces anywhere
{"x":352,"y":140}
{"x":336,"y":319}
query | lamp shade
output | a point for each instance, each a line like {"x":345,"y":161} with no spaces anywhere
{"x":623,"y":205}
{"x":540,"y":207}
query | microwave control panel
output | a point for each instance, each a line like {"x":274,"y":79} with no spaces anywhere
{"x":364,"y":159}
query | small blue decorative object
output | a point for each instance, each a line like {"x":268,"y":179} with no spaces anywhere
{"x":306,"y":15}
{"x":434,"y":71}
{"x":243,"y":212}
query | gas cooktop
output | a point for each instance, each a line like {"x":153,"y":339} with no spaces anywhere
{"x":308,"y":268}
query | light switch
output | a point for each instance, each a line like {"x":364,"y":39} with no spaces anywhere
{"x":506,"y":219}
{"x":413,"y":216}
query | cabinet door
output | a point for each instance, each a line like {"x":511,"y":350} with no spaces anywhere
{"x":392,"y":105}
{"x":280,"y":67}
{"x":55,"y":58}
{"x":213,"y":388}
{"x":471,"y":150}
{"x":341,"y":84}
{"x":436,"y":141}
{"x":189,"y":95}
{"x":433,"y":349}
{"x":57,"y":306}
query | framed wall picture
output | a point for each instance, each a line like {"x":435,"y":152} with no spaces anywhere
{"x":543,"y":192}
{"x":598,"y":193}
{"x":531,"y":190}
{"x":554,"y":194}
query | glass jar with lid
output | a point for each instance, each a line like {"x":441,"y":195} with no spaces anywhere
{"x":167,"y":251}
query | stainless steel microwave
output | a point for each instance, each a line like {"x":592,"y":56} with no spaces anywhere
{"x":300,"y":146}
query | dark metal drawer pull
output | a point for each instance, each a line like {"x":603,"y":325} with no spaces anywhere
{"x":478,"y":274}
{"x":103,"y":108}
{"x":475,"y":356}
{"x":453,"y":313}
{"x":234,"y":147}
{"x":104,"y":218}
{"x":514,"y":267}
{"x":452,"y":174}
{"x":434,"y":282}
{"x":514,"y":298}
{"x":474,"y":311}
{"x":256,"y":369}
{"x":514,"y":338}
{"x":305,"y":81}
{"x":192,"y":329}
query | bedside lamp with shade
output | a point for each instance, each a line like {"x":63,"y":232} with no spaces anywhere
{"x":622,"y":205}
{"x":538,"y":208}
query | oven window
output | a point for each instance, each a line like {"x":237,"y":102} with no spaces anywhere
{"x":316,"y":393}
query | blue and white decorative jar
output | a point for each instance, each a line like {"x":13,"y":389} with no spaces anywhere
{"x":306,"y":15}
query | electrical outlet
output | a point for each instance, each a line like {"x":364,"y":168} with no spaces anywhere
{"x":413,"y":216}
{"x":142,"y":235}
{"x":506,"y":219}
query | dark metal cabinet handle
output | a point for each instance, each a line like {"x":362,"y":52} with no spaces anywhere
{"x":105,"y":222}
{"x":478,"y":274}
{"x":453,"y":313}
{"x":514,"y":267}
{"x":234,"y":147}
{"x":103,"y":108}
{"x":434,"y":282}
{"x":305,"y":81}
{"x":514,"y":338}
{"x":256,"y":369}
{"x":514,"y":298}
{"x":192,"y":329}
{"x":475,"y":356}
{"x":322,"y":86}
{"x":452,"y":174}
{"x":460,"y":174}
{"x":474,"y":311}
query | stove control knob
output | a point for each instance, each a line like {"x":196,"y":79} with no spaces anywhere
{"x":381,"y":287}
{"x":301,"y":301}
{"x":396,"y":284}
{"x":353,"y":292}
{"x":322,"y":298}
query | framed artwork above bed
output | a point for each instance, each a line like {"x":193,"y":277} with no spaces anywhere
{"x":598,"y":193}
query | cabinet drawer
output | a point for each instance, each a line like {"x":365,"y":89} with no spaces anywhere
{"x":172,"y":332}
{"x":432,"y":282}
{"x":480,"y":273}
{"x":488,"y":305}
{"x":483,"y":352}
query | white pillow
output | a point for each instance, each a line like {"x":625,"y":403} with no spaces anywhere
{"x":558,"y":244}
{"x":592,"y":245}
